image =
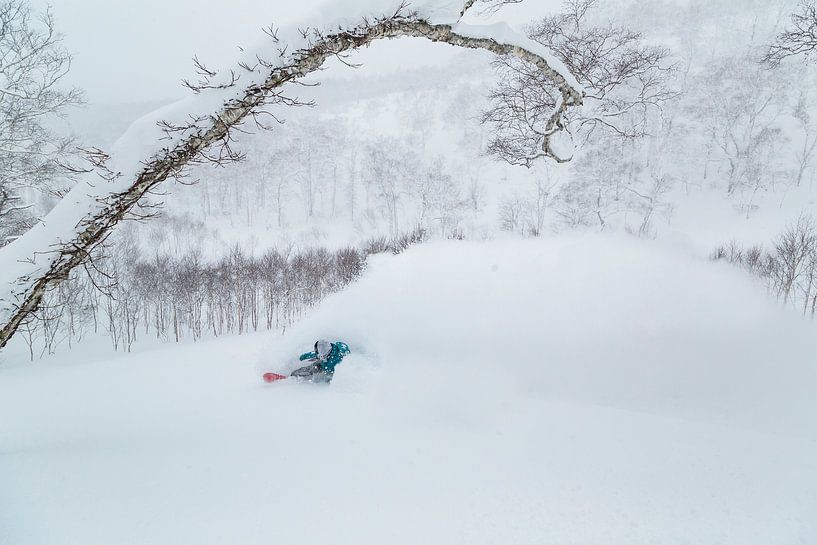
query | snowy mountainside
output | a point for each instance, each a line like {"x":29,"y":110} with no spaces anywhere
{"x":418,"y":116}
{"x":419,"y":103}
{"x":575,"y":390}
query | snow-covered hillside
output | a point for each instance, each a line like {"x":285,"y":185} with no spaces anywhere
{"x":573,"y":390}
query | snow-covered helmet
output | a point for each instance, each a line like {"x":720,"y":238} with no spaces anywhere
{"x":323,"y":349}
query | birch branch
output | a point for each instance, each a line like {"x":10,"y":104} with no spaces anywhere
{"x":216,"y":130}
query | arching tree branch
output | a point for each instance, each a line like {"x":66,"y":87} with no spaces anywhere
{"x":193,"y":141}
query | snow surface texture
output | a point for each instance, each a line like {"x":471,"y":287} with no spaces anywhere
{"x":573,"y":391}
{"x":30,"y":255}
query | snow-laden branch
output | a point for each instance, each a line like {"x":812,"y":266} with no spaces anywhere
{"x":161,"y":145}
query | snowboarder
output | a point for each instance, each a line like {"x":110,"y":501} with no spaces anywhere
{"x":322,"y":361}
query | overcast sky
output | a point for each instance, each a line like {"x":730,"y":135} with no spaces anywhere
{"x":133,"y":50}
{"x":139,"y":50}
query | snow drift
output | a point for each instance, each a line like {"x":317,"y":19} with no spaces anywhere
{"x":574,"y":391}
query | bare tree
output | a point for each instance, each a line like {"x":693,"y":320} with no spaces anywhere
{"x":741,"y":112}
{"x":800,"y":38}
{"x":790,"y":268}
{"x":648,"y":203}
{"x":391,"y":169}
{"x":32,"y":66}
{"x":439,"y":197}
{"x":795,"y":249}
{"x":624,"y":79}
{"x":525,"y":212}
{"x":803,"y":114}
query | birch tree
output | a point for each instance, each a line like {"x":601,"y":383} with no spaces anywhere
{"x":625,"y":78}
{"x":205,"y":135}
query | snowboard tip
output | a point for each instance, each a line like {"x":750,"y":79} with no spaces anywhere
{"x":272,"y":377}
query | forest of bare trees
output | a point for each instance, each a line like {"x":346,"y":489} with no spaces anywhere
{"x":788,"y":268}
{"x":125,"y":296}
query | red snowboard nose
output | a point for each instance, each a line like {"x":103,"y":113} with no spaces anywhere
{"x":272,"y":377}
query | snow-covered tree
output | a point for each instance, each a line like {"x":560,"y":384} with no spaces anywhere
{"x":32,"y":66}
{"x":626,"y":81}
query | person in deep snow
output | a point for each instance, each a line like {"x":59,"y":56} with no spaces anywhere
{"x":322,"y":361}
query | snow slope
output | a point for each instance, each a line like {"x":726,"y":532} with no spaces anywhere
{"x":574,"y":391}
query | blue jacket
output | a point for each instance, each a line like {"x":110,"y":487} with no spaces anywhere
{"x":339,"y":351}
